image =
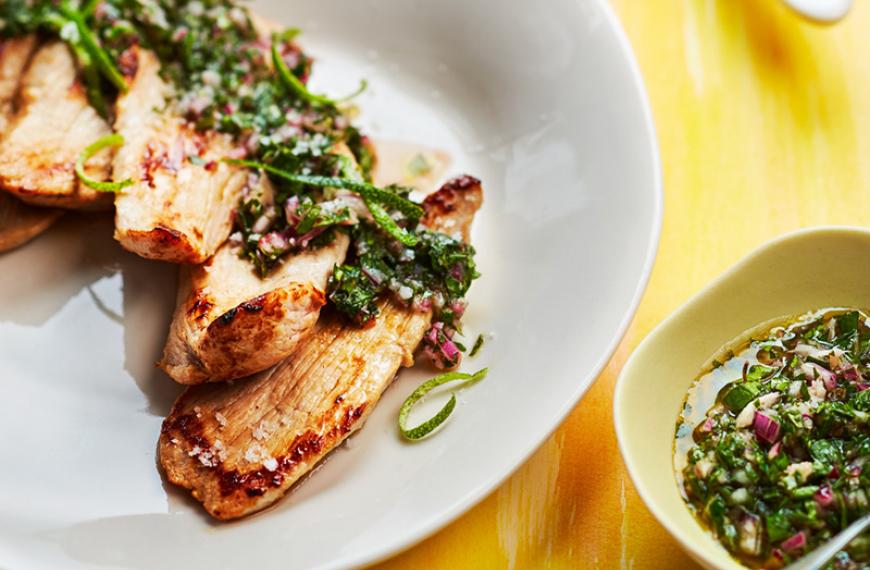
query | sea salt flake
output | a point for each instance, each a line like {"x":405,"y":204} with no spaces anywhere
{"x":207,"y":459}
{"x":221,"y":419}
{"x":255,"y":453}
{"x":263,"y":430}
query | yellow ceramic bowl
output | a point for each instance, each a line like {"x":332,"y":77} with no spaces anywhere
{"x":809,"y":269}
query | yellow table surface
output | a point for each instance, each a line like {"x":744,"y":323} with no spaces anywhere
{"x":764,"y":127}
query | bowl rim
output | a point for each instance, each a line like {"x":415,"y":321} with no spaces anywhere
{"x":632,"y":468}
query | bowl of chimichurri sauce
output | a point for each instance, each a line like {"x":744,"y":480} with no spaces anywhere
{"x":772,"y":447}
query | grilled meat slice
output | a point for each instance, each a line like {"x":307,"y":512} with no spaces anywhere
{"x":230,"y":323}
{"x":53,"y":124}
{"x":19,"y":223}
{"x":180,"y":205}
{"x":240,"y":446}
{"x":14,"y":55}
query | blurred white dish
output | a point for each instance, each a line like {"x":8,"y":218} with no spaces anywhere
{"x":825,"y":11}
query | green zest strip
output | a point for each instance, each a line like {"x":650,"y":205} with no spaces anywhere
{"x":295,"y":85}
{"x":91,"y":45}
{"x":375,"y":198}
{"x":388,"y":224}
{"x":292,"y":82}
{"x":431,"y":424}
{"x":363,"y":85}
{"x":478,"y":344}
{"x":101,"y":143}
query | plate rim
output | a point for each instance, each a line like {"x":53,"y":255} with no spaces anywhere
{"x":427,"y":528}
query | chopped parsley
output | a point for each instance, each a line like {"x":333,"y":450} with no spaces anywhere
{"x":434,"y":273}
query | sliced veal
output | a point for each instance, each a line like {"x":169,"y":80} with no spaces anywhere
{"x":19,"y":223}
{"x":179,"y":207}
{"x":230,"y":322}
{"x":14,"y":55}
{"x":240,"y":446}
{"x":54,"y":122}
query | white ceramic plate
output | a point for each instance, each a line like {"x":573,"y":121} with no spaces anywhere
{"x":544,"y":103}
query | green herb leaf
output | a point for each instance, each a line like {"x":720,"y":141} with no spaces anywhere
{"x":847,"y":329}
{"x":739,"y":394}
{"x":114,"y":140}
{"x":827,"y":451}
{"x":778,"y":527}
{"x":388,"y":224}
{"x":758,"y":372}
{"x":431,"y":424}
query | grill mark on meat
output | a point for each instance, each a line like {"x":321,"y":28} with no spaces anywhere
{"x":255,"y":482}
{"x":52,"y":124}
{"x":201,"y":305}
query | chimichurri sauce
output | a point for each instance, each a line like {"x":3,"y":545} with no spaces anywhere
{"x":773,"y":444}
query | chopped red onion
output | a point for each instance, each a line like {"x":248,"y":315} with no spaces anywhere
{"x":824,"y":496}
{"x":449,"y":349}
{"x":777,"y":553}
{"x":828,"y":377}
{"x":773,"y":452}
{"x":290,"y":208}
{"x":274,"y":242}
{"x":432,"y":335}
{"x":766,"y":429}
{"x":458,"y":308}
{"x":707,"y":426}
{"x":305,"y":238}
{"x":264,"y":222}
{"x":375,"y":276}
{"x":850,"y":373}
{"x":794,"y":542}
{"x":439,"y":348}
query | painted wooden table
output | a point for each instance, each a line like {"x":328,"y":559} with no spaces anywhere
{"x":764,"y":127}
